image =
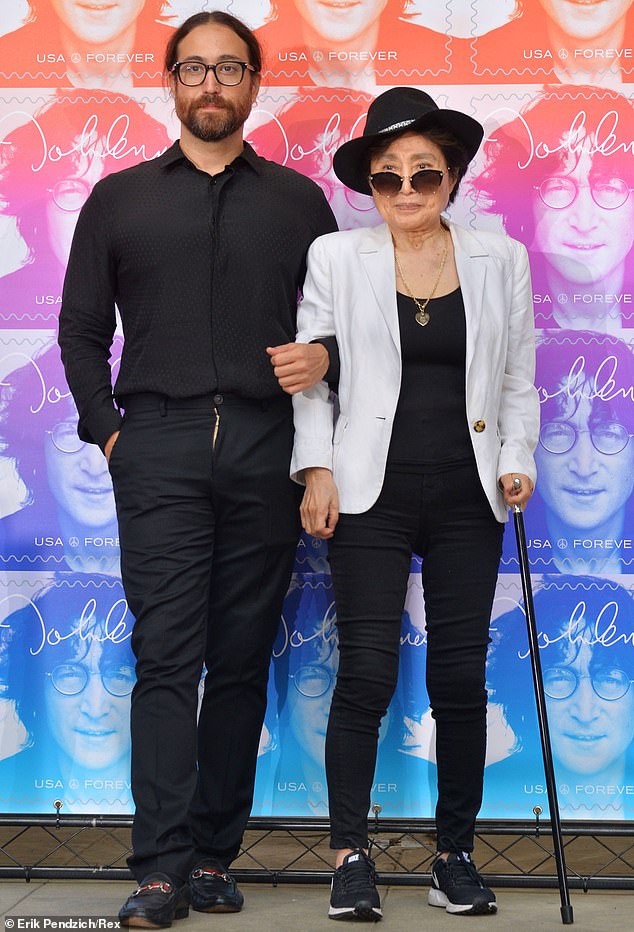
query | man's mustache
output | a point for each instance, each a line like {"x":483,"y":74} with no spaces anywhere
{"x":214,"y":99}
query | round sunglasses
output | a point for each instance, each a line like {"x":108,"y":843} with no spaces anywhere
{"x":425,"y":181}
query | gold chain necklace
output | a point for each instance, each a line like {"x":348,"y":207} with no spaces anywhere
{"x":422,"y":317}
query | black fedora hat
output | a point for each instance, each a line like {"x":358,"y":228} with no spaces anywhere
{"x":400,"y":110}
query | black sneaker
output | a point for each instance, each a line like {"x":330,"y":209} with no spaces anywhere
{"x":213,"y":889}
{"x":458,"y":887}
{"x":155,"y":903}
{"x":353,"y":894}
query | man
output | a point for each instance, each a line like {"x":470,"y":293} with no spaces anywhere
{"x":203,"y":249}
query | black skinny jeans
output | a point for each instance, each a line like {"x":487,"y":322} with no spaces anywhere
{"x":445,"y":518}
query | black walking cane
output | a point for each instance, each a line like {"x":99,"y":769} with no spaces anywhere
{"x":538,"y":682}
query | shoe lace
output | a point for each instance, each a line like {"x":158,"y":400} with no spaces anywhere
{"x":358,"y":876}
{"x":463,"y":871}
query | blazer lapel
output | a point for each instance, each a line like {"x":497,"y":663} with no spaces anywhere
{"x":471,"y":262}
{"x":377,"y":257}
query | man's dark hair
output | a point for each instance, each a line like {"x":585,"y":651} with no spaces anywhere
{"x":214,"y":18}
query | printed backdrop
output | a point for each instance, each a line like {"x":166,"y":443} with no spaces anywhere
{"x":82,"y":94}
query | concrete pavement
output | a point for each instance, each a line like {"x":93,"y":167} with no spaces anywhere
{"x":303,"y":908}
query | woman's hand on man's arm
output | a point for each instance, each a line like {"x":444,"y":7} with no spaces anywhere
{"x":320,"y":506}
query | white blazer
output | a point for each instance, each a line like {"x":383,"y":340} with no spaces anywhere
{"x":350,"y":291}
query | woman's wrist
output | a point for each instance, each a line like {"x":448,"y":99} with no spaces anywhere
{"x":316,"y":474}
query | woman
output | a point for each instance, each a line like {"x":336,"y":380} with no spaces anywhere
{"x":116,"y":44}
{"x":560,"y":175}
{"x":555,"y":40}
{"x":67,"y":518}
{"x":579,"y":521}
{"x":48,"y":167}
{"x":70,"y":672}
{"x":586,"y":633}
{"x":415,"y":465}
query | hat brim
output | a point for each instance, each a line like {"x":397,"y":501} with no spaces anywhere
{"x":350,"y":161}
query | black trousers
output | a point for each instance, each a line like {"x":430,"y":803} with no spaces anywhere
{"x":208,"y":524}
{"x":446,"y":519}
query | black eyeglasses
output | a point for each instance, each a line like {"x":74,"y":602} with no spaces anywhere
{"x":312,"y":681}
{"x":228,"y":73}
{"x":425,"y":181}
{"x":562,"y":682}
{"x":70,"y":679}
{"x":560,"y":192}
{"x":65,"y":437}
{"x":561,"y":436}
{"x":70,"y":195}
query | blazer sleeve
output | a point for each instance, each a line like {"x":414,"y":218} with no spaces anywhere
{"x":518,"y":420}
{"x":313,"y":409}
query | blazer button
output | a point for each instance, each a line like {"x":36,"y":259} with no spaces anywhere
{"x":479,"y":426}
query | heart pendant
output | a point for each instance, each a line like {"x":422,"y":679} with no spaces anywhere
{"x":422,"y":319}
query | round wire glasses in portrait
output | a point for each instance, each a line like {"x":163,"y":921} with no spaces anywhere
{"x":69,"y":672}
{"x":581,"y":513}
{"x":560,"y":175}
{"x":586,"y":637}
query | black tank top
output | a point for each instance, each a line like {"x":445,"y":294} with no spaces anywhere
{"x":430,"y":427}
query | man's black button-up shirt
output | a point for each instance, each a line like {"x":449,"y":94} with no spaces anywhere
{"x":205,"y":271}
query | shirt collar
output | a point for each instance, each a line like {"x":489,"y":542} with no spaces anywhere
{"x":171,"y":155}
{"x":248,"y":155}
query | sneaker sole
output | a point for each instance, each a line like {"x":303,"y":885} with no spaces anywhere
{"x":483,"y":908}
{"x":356,"y":913}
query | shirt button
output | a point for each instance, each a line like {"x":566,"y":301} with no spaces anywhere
{"x":218,"y":399}
{"x":479,"y":426}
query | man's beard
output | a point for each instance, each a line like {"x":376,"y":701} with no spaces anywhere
{"x":213,"y":126}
